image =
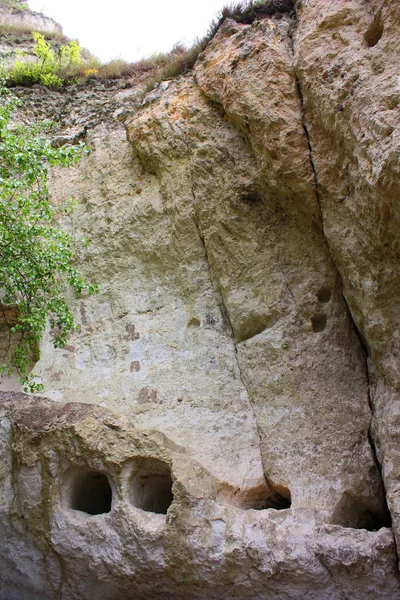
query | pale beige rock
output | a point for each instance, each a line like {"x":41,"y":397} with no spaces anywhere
{"x":220,"y":341}
{"x":347,"y":64}
{"x":153,"y":344}
{"x":201,"y":549}
{"x":302,"y":362}
{"x":27,"y":20}
{"x":16,"y":27}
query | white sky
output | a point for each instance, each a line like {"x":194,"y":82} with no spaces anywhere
{"x":130,"y":29}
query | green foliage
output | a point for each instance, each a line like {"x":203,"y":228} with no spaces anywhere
{"x":49,"y":70}
{"x":50,"y":80}
{"x":42,"y":49}
{"x":70,"y":54}
{"x":58,"y":67}
{"x":35,"y":256}
{"x":29,"y":73}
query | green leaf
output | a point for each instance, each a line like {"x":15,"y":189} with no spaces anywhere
{"x":36,"y":258}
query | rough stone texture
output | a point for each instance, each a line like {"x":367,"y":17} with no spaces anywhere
{"x":27,"y":19}
{"x":16,"y":25}
{"x":347,"y":64}
{"x":221,"y":346}
{"x":201,"y":549}
{"x":154,"y":343}
{"x":295,"y":320}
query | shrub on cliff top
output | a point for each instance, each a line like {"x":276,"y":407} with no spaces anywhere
{"x":50,"y":69}
{"x":247,"y":12}
{"x":54,"y":69}
{"x":243,"y":12}
{"x":15,"y":5}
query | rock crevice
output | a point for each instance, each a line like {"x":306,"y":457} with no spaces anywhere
{"x":385,"y":519}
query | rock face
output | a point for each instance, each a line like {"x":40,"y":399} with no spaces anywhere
{"x":15,"y":13}
{"x":207,"y":432}
{"x":86,"y":493}
{"x":17,"y":22}
{"x":351,"y":106}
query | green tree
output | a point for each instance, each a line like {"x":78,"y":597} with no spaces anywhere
{"x":36,"y":257}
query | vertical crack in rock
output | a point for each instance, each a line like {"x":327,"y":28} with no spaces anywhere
{"x":358,"y":333}
{"x":371,"y":440}
{"x":226,"y":316}
{"x":303,"y":120}
{"x":224,"y":310}
{"x":268,"y":112}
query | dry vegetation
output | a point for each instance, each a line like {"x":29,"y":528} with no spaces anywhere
{"x":160,"y":66}
{"x":164,"y":66}
{"x":23,"y":33}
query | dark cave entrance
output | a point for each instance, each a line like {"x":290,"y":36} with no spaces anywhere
{"x":91,"y":493}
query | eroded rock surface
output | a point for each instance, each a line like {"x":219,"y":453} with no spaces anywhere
{"x":244,"y":238}
{"x":302,"y":362}
{"x":17,"y":14}
{"x":347,"y":64}
{"x":83,"y":511}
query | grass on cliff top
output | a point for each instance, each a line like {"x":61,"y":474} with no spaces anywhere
{"x":159,"y":67}
{"x":250,"y":11}
{"x":23,"y":33}
{"x":179,"y":60}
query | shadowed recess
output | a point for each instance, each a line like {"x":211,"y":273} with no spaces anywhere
{"x":91,"y":493}
{"x":260,"y":497}
{"x":353,"y":513}
{"x":318,"y":322}
{"x":324,"y":295}
{"x":374,"y":31}
{"x":151,"y":487}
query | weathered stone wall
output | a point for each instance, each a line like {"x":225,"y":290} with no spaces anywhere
{"x":244,"y":238}
{"x":203,"y":548}
{"x":346,"y":56}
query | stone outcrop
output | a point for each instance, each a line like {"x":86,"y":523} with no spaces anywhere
{"x":17,"y":22}
{"x":351,"y":107}
{"x":86,"y":493}
{"x":219,"y":393}
{"x":17,"y":14}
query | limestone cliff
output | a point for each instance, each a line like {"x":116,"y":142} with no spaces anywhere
{"x":17,"y":22}
{"x":242,"y":358}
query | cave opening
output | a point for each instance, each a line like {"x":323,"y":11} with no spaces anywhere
{"x":318,"y":323}
{"x":324,"y":295}
{"x":280,"y":500}
{"x":373,"y":521}
{"x":151,"y":487}
{"x":91,"y":493}
{"x":259,"y":497}
{"x":374,"y":31}
{"x":355,"y":514}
